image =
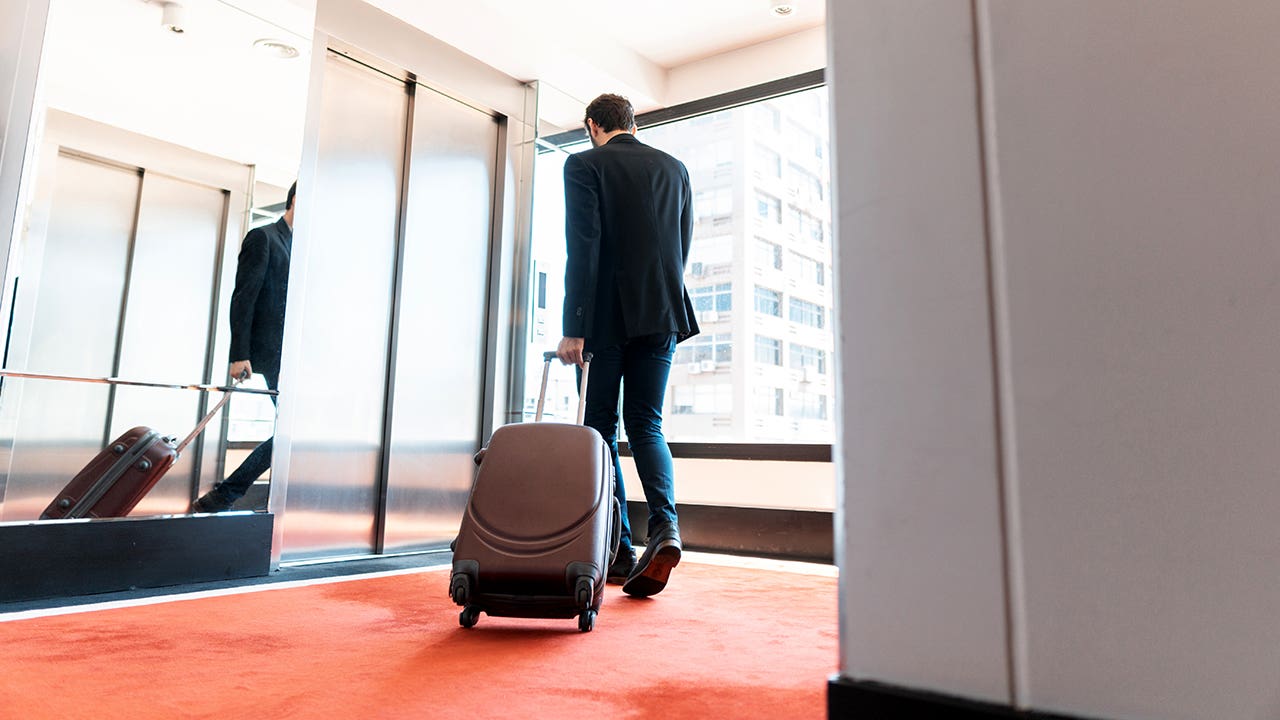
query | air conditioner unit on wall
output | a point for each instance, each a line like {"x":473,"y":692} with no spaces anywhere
{"x":708,"y":316}
{"x":708,"y":366}
{"x":695,"y":368}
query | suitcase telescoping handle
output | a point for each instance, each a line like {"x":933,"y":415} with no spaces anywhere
{"x":547,"y":357}
{"x":226,"y":395}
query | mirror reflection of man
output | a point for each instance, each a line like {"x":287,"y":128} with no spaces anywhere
{"x":257,"y":327}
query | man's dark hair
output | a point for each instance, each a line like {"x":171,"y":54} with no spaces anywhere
{"x":293,"y":190}
{"x":611,"y":112}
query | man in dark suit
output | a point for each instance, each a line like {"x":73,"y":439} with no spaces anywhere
{"x":628,"y":225}
{"x":257,"y":328}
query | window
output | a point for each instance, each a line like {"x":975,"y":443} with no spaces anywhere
{"x":712,"y":399}
{"x":767,"y":117}
{"x":704,"y":347}
{"x":767,"y":400}
{"x":803,"y":356}
{"x":768,"y":302}
{"x":768,"y":207}
{"x":808,"y":406}
{"x":805,"y":184}
{"x":805,"y":269}
{"x":768,"y":350}
{"x":803,"y":225}
{"x":714,"y":205}
{"x":765,"y":225}
{"x":768,"y":254}
{"x":801,"y":142}
{"x":712,"y":251}
{"x":713,"y":297}
{"x":768,"y":162}
{"x":807,"y":313}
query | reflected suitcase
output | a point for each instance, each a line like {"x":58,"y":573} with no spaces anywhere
{"x":115,"y":481}
{"x":541,"y":525}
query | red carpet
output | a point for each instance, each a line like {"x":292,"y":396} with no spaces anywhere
{"x":720,"y":642}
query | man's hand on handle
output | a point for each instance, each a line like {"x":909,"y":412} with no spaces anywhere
{"x":570,"y":351}
{"x":241,"y":370}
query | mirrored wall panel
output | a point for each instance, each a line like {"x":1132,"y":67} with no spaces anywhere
{"x":154,"y":246}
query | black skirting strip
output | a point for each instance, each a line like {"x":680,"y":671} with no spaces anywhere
{"x":806,"y":535}
{"x":66,"y":558}
{"x":859,"y":700}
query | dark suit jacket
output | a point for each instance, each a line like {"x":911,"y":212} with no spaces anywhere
{"x":628,"y":226}
{"x":257,"y":303}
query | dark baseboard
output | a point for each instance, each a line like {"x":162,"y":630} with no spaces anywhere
{"x":66,"y":558}
{"x":806,"y":535}
{"x":859,"y":700}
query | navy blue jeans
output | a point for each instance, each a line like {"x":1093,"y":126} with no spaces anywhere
{"x":238,"y":483}
{"x":638,"y":371}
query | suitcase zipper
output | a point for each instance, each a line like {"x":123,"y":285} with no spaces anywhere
{"x":113,"y":474}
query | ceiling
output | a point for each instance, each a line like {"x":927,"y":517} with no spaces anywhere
{"x":582,"y":47}
{"x":207,"y":89}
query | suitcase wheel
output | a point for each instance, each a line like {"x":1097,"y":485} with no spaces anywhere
{"x":587,"y":620}
{"x":583,"y":592}
{"x":470,"y":614}
{"x":460,"y":588}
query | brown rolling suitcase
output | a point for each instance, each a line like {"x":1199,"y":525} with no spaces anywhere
{"x":115,"y":481}
{"x":542,"y":524}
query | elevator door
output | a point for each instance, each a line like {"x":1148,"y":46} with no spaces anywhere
{"x":390,"y":374}
{"x":120,"y":283}
{"x":339,"y":392}
{"x":69,"y":299}
{"x":440,"y":342}
{"x":167,"y":321}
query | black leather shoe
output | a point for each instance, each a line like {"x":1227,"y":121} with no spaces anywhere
{"x":654,"y":569}
{"x":622,"y":567}
{"x":208,"y":504}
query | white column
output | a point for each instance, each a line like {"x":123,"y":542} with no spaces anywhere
{"x":922,"y":577}
{"x":1126,"y":155}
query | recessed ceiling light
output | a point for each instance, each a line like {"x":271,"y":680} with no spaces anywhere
{"x":173,"y":16}
{"x":275,"y":48}
{"x":783,"y":9}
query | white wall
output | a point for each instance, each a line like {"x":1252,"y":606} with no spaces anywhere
{"x":1133,"y":178}
{"x":793,"y":54}
{"x":921,"y":568}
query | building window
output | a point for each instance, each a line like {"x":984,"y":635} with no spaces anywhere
{"x":768,"y":302}
{"x":803,"y":225}
{"x":717,"y":297}
{"x":803,"y":356}
{"x":768,"y":350}
{"x":808,"y":406}
{"x":767,"y":400}
{"x":807,"y":313}
{"x":768,"y":254}
{"x":768,"y":162}
{"x":716,"y":348}
{"x":708,"y":399}
{"x":714,"y":205}
{"x":768,"y":207}
{"x":804,"y":183}
{"x":805,"y":269}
